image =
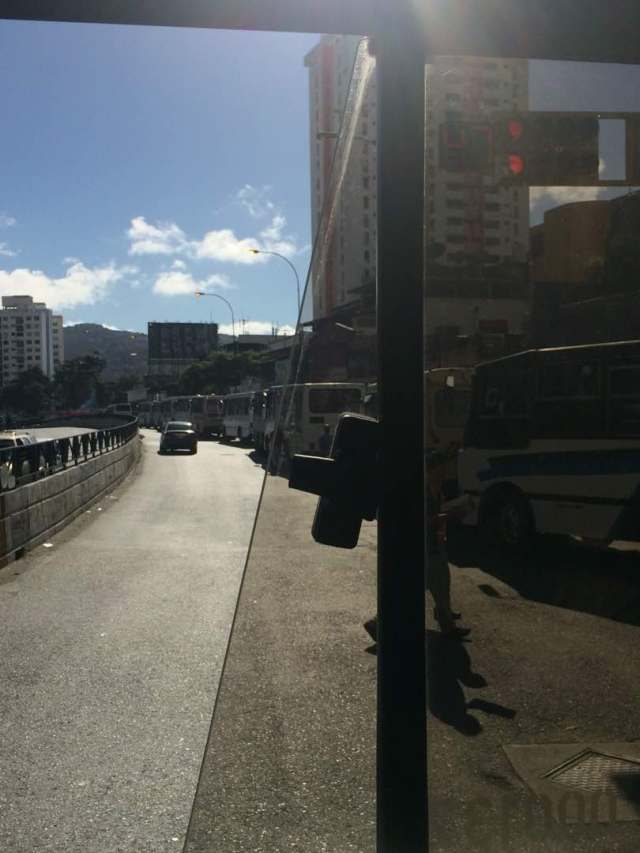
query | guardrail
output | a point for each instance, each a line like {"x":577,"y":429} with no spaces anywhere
{"x":22,"y":465}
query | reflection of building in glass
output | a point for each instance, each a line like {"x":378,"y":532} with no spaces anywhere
{"x":477,"y":233}
{"x":30,"y":336}
{"x":569,"y":245}
{"x":585,"y":269}
{"x":175,"y":346}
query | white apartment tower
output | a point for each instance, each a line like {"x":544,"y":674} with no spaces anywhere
{"x":466,"y":215}
{"x":30,"y":336}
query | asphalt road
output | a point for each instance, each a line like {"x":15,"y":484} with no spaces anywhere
{"x":112,"y":644}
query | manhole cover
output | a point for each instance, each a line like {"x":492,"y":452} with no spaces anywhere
{"x":597,"y":773}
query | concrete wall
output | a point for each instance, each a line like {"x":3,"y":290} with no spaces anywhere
{"x":30,"y":514}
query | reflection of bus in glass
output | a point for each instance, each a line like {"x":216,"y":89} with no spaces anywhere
{"x":553,"y":444}
{"x":207,"y":414}
{"x":307,"y":408}
{"x":236,"y":421}
{"x":447,"y":403}
{"x":448,"y":399}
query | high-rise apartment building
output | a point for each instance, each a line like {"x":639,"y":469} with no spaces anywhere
{"x":30,"y":336}
{"x":58,"y":340}
{"x":472,"y":222}
{"x":351,"y":257}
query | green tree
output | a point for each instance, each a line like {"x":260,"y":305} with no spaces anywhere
{"x":29,"y":393}
{"x":220,"y":372}
{"x":77,"y":381}
{"x":114,"y":391}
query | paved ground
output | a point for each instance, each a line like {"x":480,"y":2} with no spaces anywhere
{"x":110,"y":652}
{"x":552,"y":659}
{"x":109,"y":670}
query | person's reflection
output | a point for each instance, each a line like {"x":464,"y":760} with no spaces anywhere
{"x":449,"y":670}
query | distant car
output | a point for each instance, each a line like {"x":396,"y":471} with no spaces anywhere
{"x":16,"y":439}
{"x":11,"y":439}
{"x":178,"y":435}
{"x":120,"y":409}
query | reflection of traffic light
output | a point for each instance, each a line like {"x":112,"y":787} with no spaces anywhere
{"x":466,"y":147}
{"x":547,"y":149}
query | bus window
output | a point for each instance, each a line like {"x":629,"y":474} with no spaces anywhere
{"x":451,"y":407}
{"x":570,"y":380}
{"x":331,"y":400}
{"x":624,"y":401}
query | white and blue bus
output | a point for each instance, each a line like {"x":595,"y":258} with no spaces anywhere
{"x":552,"y":444}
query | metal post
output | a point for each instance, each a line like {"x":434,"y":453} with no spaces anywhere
{"x":401,"y":774}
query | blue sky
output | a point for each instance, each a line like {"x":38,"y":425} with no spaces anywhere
{"x":138,"y":163}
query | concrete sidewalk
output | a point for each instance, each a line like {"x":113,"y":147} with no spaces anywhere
{"x":290,"y":763}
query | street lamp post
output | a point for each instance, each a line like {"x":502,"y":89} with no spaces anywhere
{"x":295,"y":272}
{"x":233,"y":319}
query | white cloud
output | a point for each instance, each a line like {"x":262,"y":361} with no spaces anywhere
{"x":80,"y":285}
{"x":221,"y":245}
{"x":165,"y":238}
{"x":6,"y":221}
{"x":254,"y":327}
{"x":6,"y":251}
{"x":179,"y":283}
{"x":178,"y":265}
{"x":225,"y":247}
{"x":255,"y":201}
{"x":553,"y":196}
{"x":111,"y":328}
{"x":542,"y":199}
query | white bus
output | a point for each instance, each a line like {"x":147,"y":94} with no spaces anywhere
{"x":181,"y":409}
{"x":207,"y":414}
{"x":236,"y":421}
{"x":155,"y":414}
{"x":308,"y":408}
{"x":552,"y":444}
{"x":143,"y":412}
{"x":259,"y":419}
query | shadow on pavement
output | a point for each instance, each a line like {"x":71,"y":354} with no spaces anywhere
{"x":561,"y":572}
{"x":449,"y":670}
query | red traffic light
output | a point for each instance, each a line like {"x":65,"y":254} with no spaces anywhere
{"x":515,"y":129}
{"x":516,"y":164}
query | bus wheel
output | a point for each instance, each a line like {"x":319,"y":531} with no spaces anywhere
{"x":507,"y":520}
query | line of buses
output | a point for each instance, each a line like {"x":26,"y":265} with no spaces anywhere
{"x":296,"y":416}
{"x":548,"y":439}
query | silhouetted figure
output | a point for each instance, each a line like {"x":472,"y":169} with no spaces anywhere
{"x":325,"y":440}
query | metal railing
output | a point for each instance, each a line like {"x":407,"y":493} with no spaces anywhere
{"x":31,"y":462}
